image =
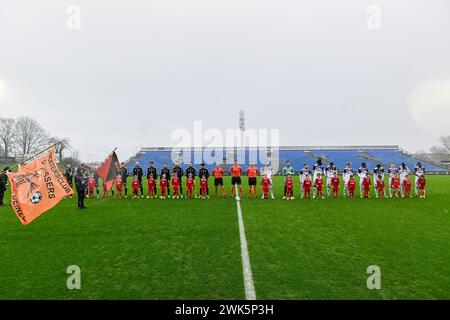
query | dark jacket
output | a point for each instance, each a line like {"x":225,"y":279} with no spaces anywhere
{"x":165,"y":171}
{"x":179,"y":171}
{"x":3,"y":182}
{"x":137,"y":171}
{"x":80,"y":183}
{"x":124,"y":173}
{"x":192,"y":171}
{"x":203,"y":172}
{"x":153,"y":171}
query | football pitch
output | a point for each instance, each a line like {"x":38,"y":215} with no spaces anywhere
{"x":190,"y":249}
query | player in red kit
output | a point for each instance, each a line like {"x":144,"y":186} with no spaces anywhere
{"x":135,"y":186}
{"x":366,"y":185}
{"x":151,"y":182}
{"x":335,"y":184}
{"x":190,"y":185}
{"x":395,"y":185}
{"x":422,"y":183}
{"x":265,"y":185}
{"x":319,"y":186}
{"x":119,"y":186}
{"x":351,"y":186}
{"x":91,"y":186}
{"x":289,"y":187}
{"x":380,"y":186}
{"x":203,"y":187}
{"x":105,"y":190}
{"x":307,"y":184}
{"x":176,"y":186}
{"x":163,"y":186}
{"x":407,"y":187}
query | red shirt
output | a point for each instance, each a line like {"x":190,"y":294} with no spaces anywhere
{"x":236,"y":171}
{"x":366,"y":182}
{"x":203,"y":183}
{"x":380,"y":184}
{"x":407,"y":184}
{"x":289,"y":184}
{"x":175,"y":182}
{"x":265,"y":183}
{"x":119,"y":184}
{"x":135,"y":184}
{"x":306,"y":184}
{"x":91,"y":184}
{"x":351,"y":184}
{"x":335,"y":182}
{"x":163,"y":183}
{"x":190,"y":183}
{"x":422,"y":183}
{"x":151,"y":183}
{"x":395,"y":183}
{"x":318,"y":182}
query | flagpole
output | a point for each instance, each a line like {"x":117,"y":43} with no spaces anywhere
{"x":33,"y":156}
{"x":108,"y":156}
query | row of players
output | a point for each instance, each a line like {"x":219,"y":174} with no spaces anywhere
{"x":399,"y":182}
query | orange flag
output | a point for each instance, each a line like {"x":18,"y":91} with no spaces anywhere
{"x":37,"y":187}
{"x":109,"y":170}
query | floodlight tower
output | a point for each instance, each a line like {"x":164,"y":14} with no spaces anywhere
{"x":242,"y":126}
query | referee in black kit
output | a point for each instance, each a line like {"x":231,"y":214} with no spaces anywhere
{"x":139,"y":173}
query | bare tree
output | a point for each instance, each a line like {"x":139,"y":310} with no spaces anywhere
{"x":445,"y":141}
{"x":7,"y":134}
{"x":62,"y":145}
{"x":30,"y":136}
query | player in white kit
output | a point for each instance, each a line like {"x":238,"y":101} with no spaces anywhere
{"x":330,"y":171}
{"x":419,"y":170}
{"x":362,"y":173}
{"x":392,"y":171}
{"x":404,"y":172}
{"x":377,"y":172}
{"x":346,"y":174}
{"x":267,"y":171}
{"x":303,"y":174}
{"x":317,"y":169}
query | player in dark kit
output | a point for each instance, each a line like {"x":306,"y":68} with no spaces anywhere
{"x":179,"y":171}
{"x":166,"y":172}
{"x":3,"y":184}
{"x":124,"y":174}
{"x":204,"y":172}
{"x":151,"y":171}
{"x":139,"y":173}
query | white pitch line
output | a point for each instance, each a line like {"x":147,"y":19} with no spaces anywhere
{"x":250,"y":293}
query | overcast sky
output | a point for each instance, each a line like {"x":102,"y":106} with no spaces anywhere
{"x":323,"y":72}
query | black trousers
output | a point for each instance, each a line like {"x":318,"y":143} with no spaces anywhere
{"x":141,"y":188}
{"x":81,"y":195}
{"x":2,"y":195}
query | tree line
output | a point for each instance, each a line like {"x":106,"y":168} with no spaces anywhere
{"x":25,"y":136}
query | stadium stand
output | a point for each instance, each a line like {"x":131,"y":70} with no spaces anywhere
{"x":371,"y":155}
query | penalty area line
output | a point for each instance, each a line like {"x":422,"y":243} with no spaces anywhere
{"x":249,"y":286}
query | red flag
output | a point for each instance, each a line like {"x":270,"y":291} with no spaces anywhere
{"x":37,"y":187}
{"x":109,"y":170}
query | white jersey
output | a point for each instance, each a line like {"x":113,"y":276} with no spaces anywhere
{"x":378,"y":172}
{"x":303,"y":173}
{"x":419,"y":171}
{"x":348,"y":171}
{"x":392,"y":172}
{"x":318,"y":169}
{"x":362,"y":172}
{"x":267,"y":171}
{"x":403,"y":172}
{"x":330,"y":171}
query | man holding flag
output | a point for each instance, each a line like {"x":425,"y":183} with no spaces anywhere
{"x":3,"y":184}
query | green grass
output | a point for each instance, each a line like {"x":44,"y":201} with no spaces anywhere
{"x":189,"y":249}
